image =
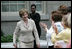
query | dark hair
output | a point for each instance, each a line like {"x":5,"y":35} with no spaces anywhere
{"x":63,"y":9}
{"x":56,"y":16}
{"x":56,"y":12}
{"x":69,"y":9}
{"x":33,"y":5}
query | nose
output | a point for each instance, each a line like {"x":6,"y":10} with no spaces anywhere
{"x":24,"y":16}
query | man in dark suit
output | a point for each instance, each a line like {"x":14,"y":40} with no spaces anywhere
{"x":36,"y":17}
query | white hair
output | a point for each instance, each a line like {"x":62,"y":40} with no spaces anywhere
{"x":69,"y":20}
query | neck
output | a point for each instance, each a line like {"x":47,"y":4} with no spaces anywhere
{"x":33,"y":12}
{"x":25,"y":20}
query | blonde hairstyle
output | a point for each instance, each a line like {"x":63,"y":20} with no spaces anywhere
{"x":22,"y":11}
{"x":67,"y":20}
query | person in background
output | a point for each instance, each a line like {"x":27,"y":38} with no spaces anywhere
{"x":36,"y":17}
{"x":64,"y":35}
{"x":23,"y":31}
{"x":61,"y":43}
{"x":56,"y":20}
{"x":63,"y":9}
{"x":69,"y":22}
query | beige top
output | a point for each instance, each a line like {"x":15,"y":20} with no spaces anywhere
{"x":24,"y":32}
{"x":64,"y":35}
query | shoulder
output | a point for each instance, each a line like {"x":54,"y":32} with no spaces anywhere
{"x":58,"y":23}
{"x":32,"y":21}
{"x":19,"y":22}
{"x":64,"y":31}
{"x":68,"y":30}
{"x":37,"y":13}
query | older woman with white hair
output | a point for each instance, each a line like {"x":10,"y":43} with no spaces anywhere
{"x":62,"y":39}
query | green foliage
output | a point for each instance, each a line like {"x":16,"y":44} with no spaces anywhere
{"x":8,"y":38}
{"x":2,"y":33}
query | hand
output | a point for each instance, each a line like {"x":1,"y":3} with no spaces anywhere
{"x":57,"y":45}
{"x":15,"y":45}
{"x":38,"y":45}
{"x":54,"y":27}
{"x":43,"y":25}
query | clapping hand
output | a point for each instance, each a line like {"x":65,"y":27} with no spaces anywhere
{"x":43,"y":25}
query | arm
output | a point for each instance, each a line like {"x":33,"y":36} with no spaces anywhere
{"x":44,"y":26}
{"x":54,"y":27}
{"x":36,"y":35}
{"x":15,"y":35}
{"x":57,"y":37}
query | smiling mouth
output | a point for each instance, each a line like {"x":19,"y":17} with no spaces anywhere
{"x":25,"y":17}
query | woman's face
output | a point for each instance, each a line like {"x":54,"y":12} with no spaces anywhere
{"x":25,"y":16}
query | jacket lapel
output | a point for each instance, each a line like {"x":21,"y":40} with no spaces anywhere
{"x":25,"y":26}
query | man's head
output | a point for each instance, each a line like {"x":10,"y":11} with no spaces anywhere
{"x":33,"y":8}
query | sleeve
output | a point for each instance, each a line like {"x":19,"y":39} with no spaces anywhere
{"x":49,"y":32}
{"x":58,"y":37}
{"x":15,"y":33}
{"x":35,"y":33}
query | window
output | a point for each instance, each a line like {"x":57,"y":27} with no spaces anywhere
{"x":20,"y":6}
{"x":12,"y":6}
{"x":21,"y":1}
{"x":5,"y":8}
{"x":5,"y":2}
{"x":15,"y":6}
{"x":38,"y":5}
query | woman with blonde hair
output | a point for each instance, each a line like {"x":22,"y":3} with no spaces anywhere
{"x":64,"y":35}
{"x":23,"y":31}
{"x":56,"y":20}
